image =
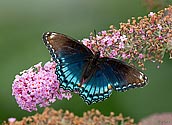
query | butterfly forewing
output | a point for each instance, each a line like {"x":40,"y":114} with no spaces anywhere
{"x":71,"y":58}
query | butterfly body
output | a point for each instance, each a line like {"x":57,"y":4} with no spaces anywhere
{"x":94,"y":77}
{"x":90,"y":68}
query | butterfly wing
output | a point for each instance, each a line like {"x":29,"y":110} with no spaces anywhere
{"x":110,"y":74}
{"x":71,"y":58}
{"x":121,"y":75}
{"x":97,"y":88}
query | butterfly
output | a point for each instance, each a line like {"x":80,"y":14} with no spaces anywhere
{"x":92,"y":76}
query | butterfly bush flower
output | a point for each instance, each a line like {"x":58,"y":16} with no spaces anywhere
{"x":38,"y":86}
{"x":138,"y":40}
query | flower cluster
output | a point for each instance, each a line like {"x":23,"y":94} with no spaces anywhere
{"x":149,"y":39}
{"x":60,"y":117}
{"x":38,"y":86}
{"x":92,"y":117}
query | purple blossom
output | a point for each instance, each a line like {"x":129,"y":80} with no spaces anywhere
{"x":115,"y":38}
{"x":114,"y":53}
{"x":160,"y":37}
{"x":38,"y":86}
{"x":118,"y":33}
{"x":109,"y":42}
{"x":121,"y":45}
{"x":123,"y":38}
{"x":85,"y":41}
{"x":159,"y":26}
{"x":141,"y":56}
{"x":124,"y":56}
{"x":104,"y":32}
{"x":131,"y":30}
{"x":143,"y":37}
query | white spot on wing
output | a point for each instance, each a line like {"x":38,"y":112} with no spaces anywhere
{"x":141,"y":76}
{"x":52,"y":35}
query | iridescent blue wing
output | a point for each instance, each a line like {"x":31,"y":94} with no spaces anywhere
{"x":110,"y":74}
{"x":71,"y":58}
{"x":98,"y":88}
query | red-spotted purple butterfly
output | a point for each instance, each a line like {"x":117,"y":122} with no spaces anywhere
{"x":94,"y":77}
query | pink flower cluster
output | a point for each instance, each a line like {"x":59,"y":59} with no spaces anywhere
{"x":143,"y":39}
{"x":110,"y":44}
{"x":38,"y":86}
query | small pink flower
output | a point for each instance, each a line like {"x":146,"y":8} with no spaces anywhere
{"x":123,"y":38}
{"x":113,"y":53}
{"x":115,"y":38}
{"x":103,"y":41}
{"x":141,"y":56}
{"x":121,"y":45}
{"x":128,"y":56}
{"x":85,"y":41}
{"x":118,"y":33}
{"x":143,"y":37}
{"x":109,"y":42}
{"x":131,"y":30}
{"x":124,"y":56}
{"x":104,"y":32}
{"x":151,"y":14}
{"x":11,"y":120}
{"x":93,"y":42}
{"x":98,"y":37}
{"x":160,"y":37}
{"x":160,"y":27}
{"x":101,"y":53}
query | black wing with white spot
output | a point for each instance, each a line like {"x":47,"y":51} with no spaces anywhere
{"x":71,"y":58}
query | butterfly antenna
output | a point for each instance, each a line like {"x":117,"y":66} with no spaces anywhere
{"x":95,"y":33}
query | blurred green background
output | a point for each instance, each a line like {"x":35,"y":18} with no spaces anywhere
{"x":22,"y":24}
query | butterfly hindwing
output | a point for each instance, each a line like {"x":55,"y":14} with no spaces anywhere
{"x":110,"y":74}
{"x":121,"y":75}
{"x":96,"y":89}
{"x":71,"y":58}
